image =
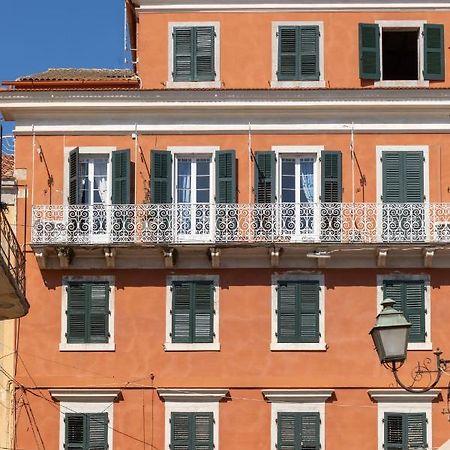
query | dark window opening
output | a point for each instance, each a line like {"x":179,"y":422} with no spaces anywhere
{"x":400,"y":55}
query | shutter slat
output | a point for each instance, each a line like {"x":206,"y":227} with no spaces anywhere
{"x":74,"y":177}
{"x":369,"y":52}
{"x":434,"y":52}
{"x":161,"y":176}
{"x":265,"y":177}
{"x":121,"y":177}
{"x":331,"y":177}
{"x":226,"y":176}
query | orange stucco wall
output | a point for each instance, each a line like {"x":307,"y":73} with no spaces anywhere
{"x":246,"y":43}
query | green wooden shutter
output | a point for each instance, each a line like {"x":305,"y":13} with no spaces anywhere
{"x":180,"y":431}
{"x":265,"y":177}
{"x":434,"y":58}
{"x":309,"y":311}
{"x":226,"y":176}
{"x":203,"y":436}
{"x":416,"y":425}
{"x":75,"y":431}
{"x":298,"y":431}
{"x":309,"y":53}
{"x":202,"y":302}
{"x":413,"y":177}
{"x":204,"y":54}
{"x":392,"y":177}
{"x":98,"y":319}
{"x":183,"y":58}
{"x":161,"y":176}
{"x":287,"y":312}
{"x":288,"y":53}
{"x":287,"y":436}
{"x":181,"y":312}
{"x":394,"y":437}
{"x":74,"y":177}
{"x":97,"y":435}
{"x":369,"y":51}
{"x":121,"y":185}
{"x":77,"y":305}
{"x":310,"y":431}
{"x":331,"y":163}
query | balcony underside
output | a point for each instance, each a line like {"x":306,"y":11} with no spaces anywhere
{"x":13,"y":303}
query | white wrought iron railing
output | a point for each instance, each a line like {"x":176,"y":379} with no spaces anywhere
{"x":241,"y":223}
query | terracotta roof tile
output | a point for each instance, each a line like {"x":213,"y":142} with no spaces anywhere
{"x":7,"y":166}
{"x":80,"y":75}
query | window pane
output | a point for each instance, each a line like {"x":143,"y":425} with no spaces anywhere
{"x":306,"y":180}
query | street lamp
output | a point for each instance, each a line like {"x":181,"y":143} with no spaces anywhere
{"x":390,"y":336}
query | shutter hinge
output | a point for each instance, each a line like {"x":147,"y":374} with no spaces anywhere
{"x":214,"y":334}
{"x":276,"y":311}
{"x":382,"y":420}
{"x":171,"y":312}
{"x":65,"y":334}
{"x":276,"y":334}
{"x":277,"y":34}
{"x":381,"y":159}
{"x":320,"y":334}
{"x":170,"y":334}
{"x":214,"y":311}
{"x":109,"y":335}
{"x":320,"y":311}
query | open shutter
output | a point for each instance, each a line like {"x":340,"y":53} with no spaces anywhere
{"x":309,"y":311}
{"x":434,"y":58}
{"x":413,"y":177}
{"x":183,"y":48}
{"x":226,"y":176}
{"x":77,"y":305}
{"x":309,"y":53}
{"x":310,"y":431}
{"x":99,"y":312}
{"x":74,"y":177}
{"x":181,"y":312}
{"x":265,"y":177}
{"x":369,"y":51}
{"x":75,"y":436}
{"x":161,"y":176}
{"x":287,"y":312}
{"x":288,"y":53}
{"x":331,"y":177}
{"x":180,"y":431}
{"x":415,"y":309}
{"x":287,"y":431}
{"x":416,"y":425}
{"x":394,"y":437}
{"x":121,"y":185}
{"x":203,"y":304}
{"x":203,"y":435}
{"x":392,"y":177}
{"x":394,"y":290}
{"x":204,"y":54}
{"x":97,"y":431}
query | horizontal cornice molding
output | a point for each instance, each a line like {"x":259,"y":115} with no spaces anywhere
{"x":85,"y":395}
{"x":298,"y":395}
{"x":193,"y":395}
{"x":402,"y":396}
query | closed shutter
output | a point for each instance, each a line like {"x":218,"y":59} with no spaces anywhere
{"x":298,"y":312}
{"x":181,"y":313}
{"x":204,"y":54}
{"x":392,"y":177}
{"x":394,"y":437}
{"x":265,"y":177}
{"x":226,"y":176}
{"x":331,"y":177}
{"x":77,"y":304}
{"x":192,"y":431}
{"x":417,"y":431}
{"x":434,"y":58}
{"x":181,"y":438}
{"x":99,"y":312}
{"x":203,"y":311}
{"x":409,"y":297}
{"x":75,"y":435}
{"x":121,"y":185}
{"x":369,"y":52}
{"x":161,"y":176}
{"x":413,"y":177}
{"x":288,"y":53}
{"x":203,"y":431}
{"x":97,"y":436}
{"x":183,"y":49}
{"x":298,"y":431}
{"x":405,"y":431}
{"x":74,"y":177}
{"x":309,"y":53}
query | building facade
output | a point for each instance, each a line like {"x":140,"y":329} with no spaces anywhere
{"x":223,"y":224}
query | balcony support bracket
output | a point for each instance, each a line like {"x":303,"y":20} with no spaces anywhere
{"x":170,"y":256}
{"x":275,"y":253}
{"x":41,"y":258}
{"x":110,"y":257}
{"x":214,"y":256}
{"x":382,"y":257}
{"x":428,"y":254}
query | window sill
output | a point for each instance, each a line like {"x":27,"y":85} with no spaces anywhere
{"x":402,"y":83}
{"x":172,"y":347}
{"x":420,"y":346}
{"x":297,"y":84}
{"x":65,"y":347}
{"x":295,"y":347}
{"x":193,"y":84}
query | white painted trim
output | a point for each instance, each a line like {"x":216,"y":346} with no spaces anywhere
{"x":319,"y":346}
{"x":402,"y":83}
{"x":64,"y":346}
{"x":192,"y":395}
{"x":400,"y":401}
{"x":216,"y":84}
{"x":274,"y":83}
{"x":295,"y":401}
{"x":174,"y":407}
{"x":74,"y":404}
{"x":84,"y":395}
{"x":198,"y":150}
{"x":171,"y":346}
{"x":427,"y":345}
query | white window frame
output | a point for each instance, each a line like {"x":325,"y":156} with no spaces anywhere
{"x":217,"y":83}
{"x":192,"y":401}
{"x":427,"y":345}
{"x":298,"y":346}
{"x":401,"y":401}
{"x":275,"y":83}
{"x":297,"y":401}
{"x":84,"y":401}
{"x":110,"y":346}
{"x":181,"y":347}
{"x":407,"y":24}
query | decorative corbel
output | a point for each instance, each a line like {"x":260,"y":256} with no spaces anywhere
{"x":110,"y":257}
{"x":382,"y":257}
{"x":65,"y":255}
{"x":214,"y":256}
{"x":275,"y":253}
{"x":41,"y":258}
{"x":170,"y":255}
{"x":428,"y":254}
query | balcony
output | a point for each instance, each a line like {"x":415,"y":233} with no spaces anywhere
{"x":243,"y":224}
{"x":13,"y":302}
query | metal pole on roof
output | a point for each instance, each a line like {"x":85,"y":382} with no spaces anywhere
{"x":1,"y":162}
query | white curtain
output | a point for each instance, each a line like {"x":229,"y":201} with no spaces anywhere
{"x":307,"y":180}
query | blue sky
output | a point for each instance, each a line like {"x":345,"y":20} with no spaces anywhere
{"x":38,"y":34}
